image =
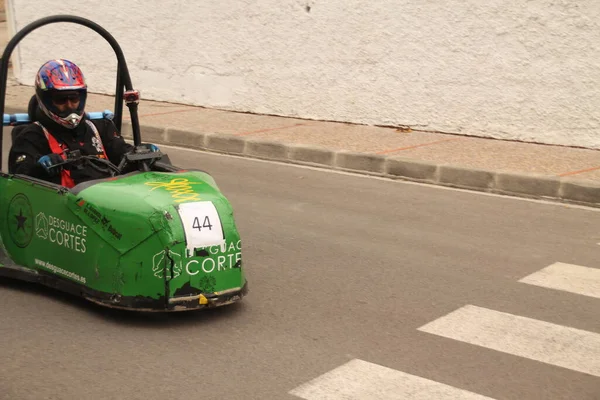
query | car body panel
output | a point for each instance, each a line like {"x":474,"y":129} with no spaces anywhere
{"x":126,"y":237}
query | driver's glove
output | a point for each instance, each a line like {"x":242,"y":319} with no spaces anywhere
{"x":146,"y":147}
{"x":50,"y":160}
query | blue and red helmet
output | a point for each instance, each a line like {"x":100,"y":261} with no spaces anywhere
{"x":57,"y":82}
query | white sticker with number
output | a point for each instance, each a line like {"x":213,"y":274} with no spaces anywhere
{"x":201,"y":224}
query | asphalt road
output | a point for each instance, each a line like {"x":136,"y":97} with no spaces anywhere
{"x":341,"y":267}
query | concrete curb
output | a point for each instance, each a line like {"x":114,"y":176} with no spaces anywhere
{"x":575,"y":191}
{"x":534,"y":186}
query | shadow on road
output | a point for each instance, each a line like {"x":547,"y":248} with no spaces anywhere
{"x":158,"y":320}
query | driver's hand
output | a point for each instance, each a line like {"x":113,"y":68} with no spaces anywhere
{"x":50,"y":160}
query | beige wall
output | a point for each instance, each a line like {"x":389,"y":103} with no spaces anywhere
{"x":524,"y":70}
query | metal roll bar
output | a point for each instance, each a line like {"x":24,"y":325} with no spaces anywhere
{"x":123,"y":79}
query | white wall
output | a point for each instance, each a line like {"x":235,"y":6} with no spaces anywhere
{"x":517,"y":69}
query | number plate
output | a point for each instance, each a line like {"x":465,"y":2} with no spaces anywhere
{"x":202,"y":225}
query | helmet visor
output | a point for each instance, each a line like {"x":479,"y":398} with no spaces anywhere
{"x":65,"y":102}
{"x":62,"y":98}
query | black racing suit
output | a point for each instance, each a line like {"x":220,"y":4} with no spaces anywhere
{"x":31,"y":144}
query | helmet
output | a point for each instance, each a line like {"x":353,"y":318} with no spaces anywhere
{"x":57,"y":76}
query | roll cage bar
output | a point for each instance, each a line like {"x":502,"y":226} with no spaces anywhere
{"x":124,"y":90}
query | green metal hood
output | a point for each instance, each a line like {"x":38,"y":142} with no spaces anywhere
{"x":127,"y":210}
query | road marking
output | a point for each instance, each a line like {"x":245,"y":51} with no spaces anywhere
{"x":567,"y":277}
{"x":363,"y":380}
{"x":549,"y":343}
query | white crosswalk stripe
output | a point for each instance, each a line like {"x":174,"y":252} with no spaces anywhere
{"x":361,"y":380}
{"x":553,"y":344}
{"x":558,"y":345}
{"x":567,"y":277}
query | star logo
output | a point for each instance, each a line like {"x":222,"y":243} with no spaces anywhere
{"x":20,"y":220}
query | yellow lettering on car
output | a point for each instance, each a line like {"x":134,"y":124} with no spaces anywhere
{"x":180,"y":189}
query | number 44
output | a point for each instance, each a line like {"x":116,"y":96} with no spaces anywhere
{"x":205,"y":224}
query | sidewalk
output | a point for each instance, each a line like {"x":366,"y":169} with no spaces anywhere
{"x":496,"y":166}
